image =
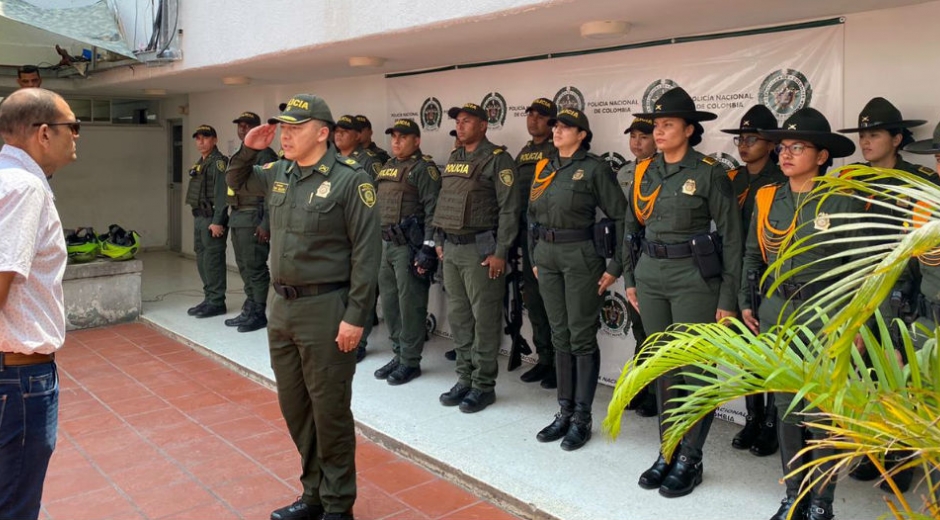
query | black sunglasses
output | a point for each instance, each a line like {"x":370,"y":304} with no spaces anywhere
{"x":74,"y":126}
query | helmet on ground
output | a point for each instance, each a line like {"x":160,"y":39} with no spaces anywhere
{"x":81,"y":244}
{"x":119,"y":244}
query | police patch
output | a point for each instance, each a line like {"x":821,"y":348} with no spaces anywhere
{"x":375,"y":169}
{"x":926,"y":171}
{"x":613,"y":314}
{"x":268,"y":166}
{"x":367,"y":194}
{"x":279,"y":187}
{"x":433,"y":173}
{"x":506,"y":177}
{"x":220,"y":164}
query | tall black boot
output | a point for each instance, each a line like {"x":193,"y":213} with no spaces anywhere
{"x":238,"y":320}
{"x":752,"y":423}
{"x":790,"y":437}
{"x":902,"y":479}
{"x":586,"y":369}
{"x":653,"y":477}
{"x":824,"y":492}
{"x":766,"y":442}
{"x":687,"y":471}
{"x":256,"y":319}
{"x":564,"y":373}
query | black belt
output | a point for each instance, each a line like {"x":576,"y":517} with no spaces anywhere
{"x":292,"y":292}
{"x":199,"y":212}
{"x":799,"y":291}
{"x":15,"y":359}
{"x":564,"y":236}
{"x":657,"y":250}
{"x":245,"y":208}
{"x":470,"y":238}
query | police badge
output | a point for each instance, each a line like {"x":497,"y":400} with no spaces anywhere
{"x":324,"y":189}
{"x":689,"y":187}
{"x":822,"y":222}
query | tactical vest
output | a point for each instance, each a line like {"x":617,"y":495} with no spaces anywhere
{"x":467,"y":199}
{"x":201,"y":186}
{"x":398,"y":198}
{"x":240,"y":200}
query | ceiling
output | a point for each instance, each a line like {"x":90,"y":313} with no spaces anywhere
{"x":544,"y":29}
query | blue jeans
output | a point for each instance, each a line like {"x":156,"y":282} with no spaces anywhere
{"x":29,"y":415}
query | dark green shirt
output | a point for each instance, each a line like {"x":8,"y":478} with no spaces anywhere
{"x":368,"y":159}
{"x":528,"y":157}
{"x":383,"y":156}
{"x":324,"y":228}
{"x":746,"y":185}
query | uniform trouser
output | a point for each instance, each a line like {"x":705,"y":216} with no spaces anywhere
{"x":569,"y":275}
{"x":672,"y":291}
{"x":636,"y":323}
{"x":314,"y":389}
{"x":475,"y":315}
{"x":404,"y":303}
{"x":252,"y":261}
{"x":535,"y":306}
{"x":210,"y":260}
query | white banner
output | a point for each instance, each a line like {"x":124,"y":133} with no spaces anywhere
{"x":783,"y":70}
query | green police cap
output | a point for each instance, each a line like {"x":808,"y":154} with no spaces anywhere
{"x":543,"y":106}
{"x":302,"y":108}
{"x":404,"y":126}
{"x":349,"y":123}
{"x":248,"y":117}
{"x":363,"y":122}
{"x":643,"y":124}
{"x":573,"y":117}
{"x":205,"y":130}
{"x":469,"y":108}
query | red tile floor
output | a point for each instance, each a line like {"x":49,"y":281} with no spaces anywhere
{"x":148,"y":428}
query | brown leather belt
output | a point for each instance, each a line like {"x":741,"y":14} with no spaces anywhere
{"x":15,"y":359}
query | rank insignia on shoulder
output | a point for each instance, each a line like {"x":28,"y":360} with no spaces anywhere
{"x":268,"y":166}
{"x":367,"y":194}
{"x":711,"y":161}
{"x":926,"y":171}
{"x":688,"y":187}
{"x":822,"y":222}
{"x":506,"y":177}
{"x":427,"y":158}
{"x":323,"y":168}
{"x":220,"y":164}
{"x":350,"y":161}
{"x":498,"y":150}
{"x":230,"y":192}
{"x":578,"y":175}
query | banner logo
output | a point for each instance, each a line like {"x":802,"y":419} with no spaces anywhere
{"x":729,"y":162}
{"x":654,"y":91}
{"x":431,"y":114}
{"x":495,"y":107}
{"x":615,"y":160}
{"x":785,"y":91}
{"x":569,"y":97}
{"x":614,"y":314}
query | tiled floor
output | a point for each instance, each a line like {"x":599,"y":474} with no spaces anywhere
{"x":148,"y":428}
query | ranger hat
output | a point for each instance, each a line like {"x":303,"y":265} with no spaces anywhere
{"x":808,"y":124}
{"x":405,"y":126}
{"x":573,"y":117}
{"x":205,"y":130}
{"x":758,"y":117}
{"x":643,"y":124}
{"x":302,"y":108}
{"x":543,"y":106}
{"x":349,"y":123}
{"x":926,"y":146}
{"x":363,"y":122}
{"x":470,"y":108}
{"x":248,"y":117}
{"x":677,"y":103}
{"x":879,"y":113}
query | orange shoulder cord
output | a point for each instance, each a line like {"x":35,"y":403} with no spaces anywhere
{"x":732,"y":174}
{"x":539,"y":183}
{"x":763,"y":200}
{"x":643,"y":205}
{"x":922,"y":214}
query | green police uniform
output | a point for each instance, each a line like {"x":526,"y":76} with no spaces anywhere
{"x":206,"y":195}
{"x":383,"y":156}
{"x":528,"y":157}
{"x":325,"y":251}
{"x":745,"y":186}
{"x":407,"y":192}
{"x":248,"y":213}
{"x":564,"y":200}
{"x":369,"y":161}
{"x":479,"y":198}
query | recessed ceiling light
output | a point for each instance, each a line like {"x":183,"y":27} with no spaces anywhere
{"x":366,"y":61}
{"x":236,"y":80}
{"x":604,"y":29}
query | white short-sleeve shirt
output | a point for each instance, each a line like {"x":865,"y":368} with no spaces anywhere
{"x":32,"y":246}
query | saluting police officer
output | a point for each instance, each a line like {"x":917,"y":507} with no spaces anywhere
{"x":326,"y":246}
{"x":643,"y":147}
{"x":207,"y":197}
{"x":538,"y":148}
{"x":685,"y":274}
{"x":251,"y":232}
{"x":478,"y":216}
{"x":407,"y":188}
{"x":759,"y":434}
{"x":365,"y":139}
{"x":569,"y":252}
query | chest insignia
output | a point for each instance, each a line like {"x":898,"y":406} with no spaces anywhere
{"x":324,"y":190}
{"x":822,"y":222}
{"x":578,"y":175}
{"x":689,"y":187}
{"x":279,"y":187}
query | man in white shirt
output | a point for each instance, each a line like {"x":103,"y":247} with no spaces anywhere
{"x":40,"y":132}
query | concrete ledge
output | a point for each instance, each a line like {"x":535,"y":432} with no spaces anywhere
{"x":101,"y":293}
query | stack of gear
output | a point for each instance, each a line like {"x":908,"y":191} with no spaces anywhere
{"x":82,"y":245}
{"x":119,"y":244}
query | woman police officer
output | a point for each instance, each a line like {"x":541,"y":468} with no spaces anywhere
{"x":566,"y":192}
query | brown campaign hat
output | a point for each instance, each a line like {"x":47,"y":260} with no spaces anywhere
{"x":248,"y":117}
{"x":808,"y":124}
{"x":205,"y":130}
{"x":758,"y":117}
{"x":302,"y":108}
{"x":677,"y":103}
{"x":926,"y":146}
{"x":469,"y":108}
{"x":405,"y":126}
{"x":879,"y":113}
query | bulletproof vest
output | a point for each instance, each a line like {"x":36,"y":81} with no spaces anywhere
{"x":240,"y":200}
{"x":398,"y":198}
{"x":467,"y":199}
{"x":201,"y":186}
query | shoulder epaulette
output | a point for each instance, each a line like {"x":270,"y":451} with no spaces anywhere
{"x":711,"y":161}
{"x":925,"y":170}
{"x":268,"y":166}
{"x":499,"y":150}
{"x":350,"y":161}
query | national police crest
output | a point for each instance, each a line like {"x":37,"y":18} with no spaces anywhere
{"x":494,"y":104}
{"x":569,"y":97}
{"x":431,"y":114}
{"x":654,"y":91}
{"x":614,"y":319}
{"x":785,"y":91}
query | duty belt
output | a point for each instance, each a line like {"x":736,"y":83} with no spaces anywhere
{"x":657,"y":250}
{"x":201,"y":212}
{"x":15,"y":359}
{"x":564,"y":236}
{"x":469,"y":238}
{"x":245,"y":208}
{"x":292,"y":292}
{"x":799,"y":291}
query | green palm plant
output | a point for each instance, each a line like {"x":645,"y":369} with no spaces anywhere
{"x":886,"y":405}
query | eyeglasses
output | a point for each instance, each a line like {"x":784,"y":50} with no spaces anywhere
{"x":795,"y":149}
{"x":748,"y":141}
{"x":74,"y":126}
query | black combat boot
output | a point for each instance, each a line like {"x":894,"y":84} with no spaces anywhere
{"x":819,"y":510}
{"x":256,"y":319}
{"x":902,"y":479}
{"x":682,"y":479}
{"x":791,"y":442}
{"x":238,"y":320}
{"x":752,"y":424}
{"x":865,"y":471}
{"x":766,"y":442}
{"x":564,"y":370}
{"x":586,"y":369}
{"x":536,"y":373}
{"x":192,"y":311}
{"x":653,"y":477}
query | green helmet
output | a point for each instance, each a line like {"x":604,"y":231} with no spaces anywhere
{"x":82,"y":245}
{"x":118,"y":244}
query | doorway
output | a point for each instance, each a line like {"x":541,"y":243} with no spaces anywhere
{"x":174,"y":194}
